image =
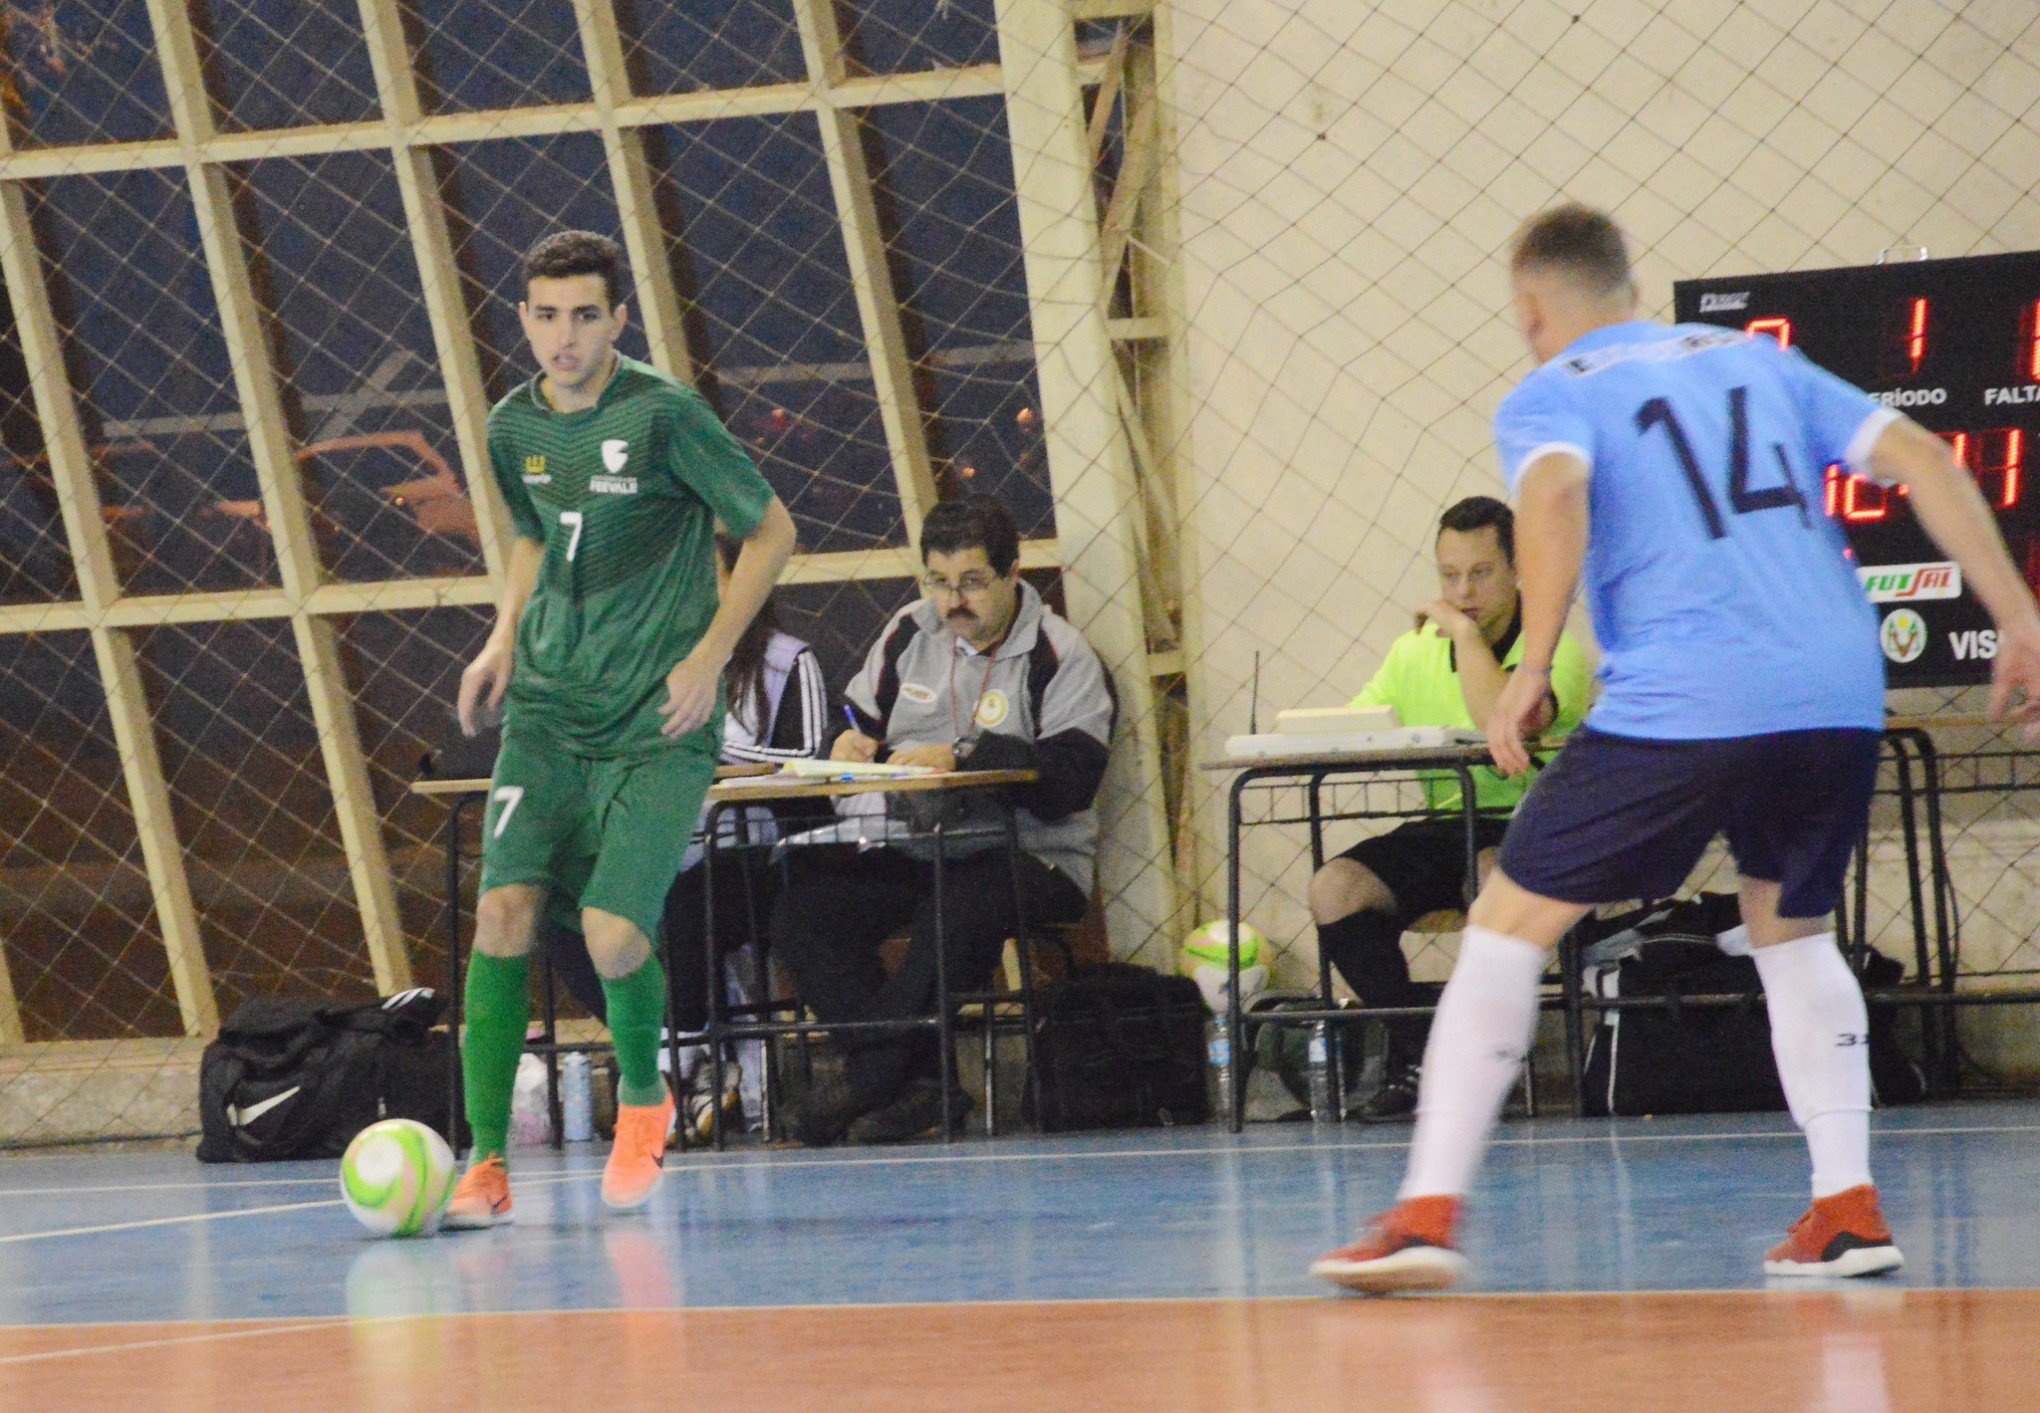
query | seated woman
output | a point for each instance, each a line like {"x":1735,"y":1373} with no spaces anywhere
{"x":777,"y":712}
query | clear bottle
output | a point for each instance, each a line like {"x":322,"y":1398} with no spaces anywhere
{"x":577,"y":1099}
{"x":1220,"y":1045}
{"x":1318,"y":1060}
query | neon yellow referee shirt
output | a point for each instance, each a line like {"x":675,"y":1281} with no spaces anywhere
{"x":1420,"y":679}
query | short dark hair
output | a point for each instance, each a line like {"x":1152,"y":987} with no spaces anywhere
{"x":1575,"y":241}
{"x":972,"y":520}
{"x":1483,"y":512}
{"x":564,"y":254}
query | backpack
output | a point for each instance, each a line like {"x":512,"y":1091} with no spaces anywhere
{"x":1705,"y":1059}
{"x":293,"y":1079}
{"x":1119,"y":1046}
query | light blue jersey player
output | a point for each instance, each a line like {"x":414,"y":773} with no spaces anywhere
{"x":1721,"y":595}
{"x":1679,"y":469}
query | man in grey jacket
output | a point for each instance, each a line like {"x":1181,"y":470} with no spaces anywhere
{"x":978,"y":675}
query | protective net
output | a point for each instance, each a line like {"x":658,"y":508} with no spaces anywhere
{"x":241,"y":567}
{"x":1349,"y":175}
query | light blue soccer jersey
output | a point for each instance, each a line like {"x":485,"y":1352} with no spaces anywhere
{"x":1723,"y":598}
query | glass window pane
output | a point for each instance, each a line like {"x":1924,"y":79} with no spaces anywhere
{"x":474,"y":55}
{"x":757,"y":251}
{"x":282,"y":63}
{"x":248,"y":791}
{"x":84,"y":73}
{"x":35,"y":559}
{"x":149,"y":369}
{"x":944,"y":173}
{"x":902,"y":36}
{"x":82,"y":944}
{"x":375,"y":443}
{"x":404,"y":673}
{"x":683,"y":46}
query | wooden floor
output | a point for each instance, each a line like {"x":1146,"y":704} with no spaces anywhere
{"x":1616,"y":1266}
{"x":1856,"y":1351}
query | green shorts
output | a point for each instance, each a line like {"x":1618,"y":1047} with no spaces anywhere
{"x":598,"y":833}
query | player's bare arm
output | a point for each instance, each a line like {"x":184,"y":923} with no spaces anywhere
{"x":488,"y":676}
{"x":1952,"y":510}
{"x":1551,"y":544}
{"x":691,"y":685}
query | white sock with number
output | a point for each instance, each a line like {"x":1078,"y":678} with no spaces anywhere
{"x":1820,"y":1034}
{"x":1478,"y":1040}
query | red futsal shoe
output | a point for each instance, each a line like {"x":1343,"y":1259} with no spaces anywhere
{"x":1842,"y":1235}
{"x":1408,"y":1247}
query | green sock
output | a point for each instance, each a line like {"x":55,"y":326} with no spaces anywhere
{"x":637,"y":1007}
{"x":496,"y":1006}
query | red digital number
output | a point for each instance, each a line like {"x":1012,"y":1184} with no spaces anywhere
{"x":1856,"y":501}
{"x":2032,"y":369}
{"x":1781,"y":330}
{"x":2001,"y":468}
{"x":1916,"y":334}
{"x":1997,"y":458}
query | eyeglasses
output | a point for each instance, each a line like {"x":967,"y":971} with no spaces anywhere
{"x":968,"y":587}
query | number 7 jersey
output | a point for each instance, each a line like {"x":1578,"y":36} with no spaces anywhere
{"x":1724,"y":599}
{"x":624,"y":496}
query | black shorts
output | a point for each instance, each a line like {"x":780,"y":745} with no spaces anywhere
{"x":1424,"y":862}
{"x":1618,"y":817}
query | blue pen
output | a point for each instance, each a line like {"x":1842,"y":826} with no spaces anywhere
{"x":851,"y":717}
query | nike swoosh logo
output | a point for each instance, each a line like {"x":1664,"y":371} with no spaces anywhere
{"x":241,"y":1118}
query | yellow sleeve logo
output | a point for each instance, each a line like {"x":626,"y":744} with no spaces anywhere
{"x":991,"y":709}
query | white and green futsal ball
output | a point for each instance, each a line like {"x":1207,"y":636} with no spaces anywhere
{"x":1202,"y":958}
{"x":396,"y":1177}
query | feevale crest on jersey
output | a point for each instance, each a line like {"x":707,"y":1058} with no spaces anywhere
{"x":615,"y":456}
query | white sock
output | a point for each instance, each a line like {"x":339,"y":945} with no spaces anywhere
{"x":1820,"y":1035}
{"x":1478,"y":1040}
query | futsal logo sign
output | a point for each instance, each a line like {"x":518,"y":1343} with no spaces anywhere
{"x":1897,"y":583}
{"x":1903,"y":636}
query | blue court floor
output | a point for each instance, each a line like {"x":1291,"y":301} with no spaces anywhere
{"x":1565,"y":1206}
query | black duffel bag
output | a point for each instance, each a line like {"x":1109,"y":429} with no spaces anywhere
{"x":1119,"y":1046}
{"x":1680,"y":1059}
{"x":294,"y":1079}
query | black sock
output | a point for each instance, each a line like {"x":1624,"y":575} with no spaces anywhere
{"x":1366,"y":949}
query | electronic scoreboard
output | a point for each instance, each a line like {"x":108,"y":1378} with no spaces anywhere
{"x":1955,"y":345}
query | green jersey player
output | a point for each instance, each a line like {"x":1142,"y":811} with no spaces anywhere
{"x":607,"y":658}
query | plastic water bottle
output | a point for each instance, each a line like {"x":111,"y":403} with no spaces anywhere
{"x":1221,"y":1069}
{"x":577,"y":1100}
{"x":1319,"y":1062}
{"x":530,"y":1123}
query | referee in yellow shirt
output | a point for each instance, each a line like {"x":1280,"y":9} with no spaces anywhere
{"x":1447,"y":671}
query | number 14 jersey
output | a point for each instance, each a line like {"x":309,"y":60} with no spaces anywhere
{"x":1724,"y":598}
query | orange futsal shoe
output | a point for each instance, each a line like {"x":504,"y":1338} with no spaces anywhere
{"x":1408,"y":1247}
{"x":1842,"y":1235}
{"x":482,"y":1199}
{"x":638,"y":1159}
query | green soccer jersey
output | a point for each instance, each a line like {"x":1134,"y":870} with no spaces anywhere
{"x":624,"y":496}
{"x":1420,"y":679}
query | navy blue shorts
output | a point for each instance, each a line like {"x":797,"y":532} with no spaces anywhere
{"x":1620,"y":817}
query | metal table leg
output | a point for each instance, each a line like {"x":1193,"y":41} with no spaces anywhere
{"x":1023,"y":941}
{"x":1235,"y":1029}
{"x":945,"y":1018}
{"x":453,"y":966}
